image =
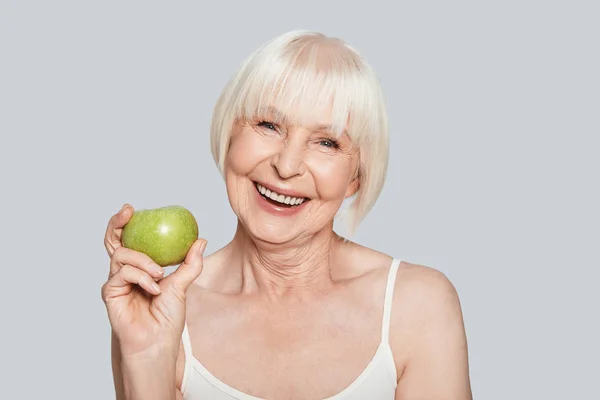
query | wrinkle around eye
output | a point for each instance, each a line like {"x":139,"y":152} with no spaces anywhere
{"x":267,"y":125}
{"x":332,"y":143}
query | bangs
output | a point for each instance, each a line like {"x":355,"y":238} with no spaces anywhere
{"x":301,"y":81}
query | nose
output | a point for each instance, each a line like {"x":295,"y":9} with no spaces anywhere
{"x":289,"y":161}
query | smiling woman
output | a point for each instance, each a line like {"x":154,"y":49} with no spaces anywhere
{"x":304,"y":79}
{"x":317,"y":169}
{"x":288,"y":309}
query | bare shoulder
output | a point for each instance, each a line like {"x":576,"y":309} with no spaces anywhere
{"x":424,"y":286}
{"x":427,"y":335}
{"x":425,"y":300}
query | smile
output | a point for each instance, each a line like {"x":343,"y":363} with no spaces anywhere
{"x":279,"y":199}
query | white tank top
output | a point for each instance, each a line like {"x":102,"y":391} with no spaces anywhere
{"x":377,"y":381}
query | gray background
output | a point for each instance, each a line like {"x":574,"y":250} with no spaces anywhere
{"x":493,"y":180}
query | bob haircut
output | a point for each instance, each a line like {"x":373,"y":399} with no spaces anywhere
{"x":302,"y":71}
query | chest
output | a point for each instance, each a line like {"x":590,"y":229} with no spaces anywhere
{"x":304,"y":352}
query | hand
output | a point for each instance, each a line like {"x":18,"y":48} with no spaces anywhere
{"x":146,"y":311}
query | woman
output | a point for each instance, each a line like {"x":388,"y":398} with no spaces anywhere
{"x":288,"y":309}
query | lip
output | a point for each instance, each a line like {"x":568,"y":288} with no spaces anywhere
{"x":284,"y":192}
{"x":275,"y":209}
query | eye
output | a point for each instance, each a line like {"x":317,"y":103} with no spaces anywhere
{"x":268,"y":125}
{"x":331,"y":143}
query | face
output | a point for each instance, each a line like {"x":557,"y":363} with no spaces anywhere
{"x":286,"y":181}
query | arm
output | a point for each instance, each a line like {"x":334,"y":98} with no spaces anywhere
{"x":142,"y":379}
{"x":437,"y":367}
{"x":116,"y":367}
{"x":151,"y":377}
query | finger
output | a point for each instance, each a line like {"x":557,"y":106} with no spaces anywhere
{"x":124,"y":256}
{"x":126,"y":277}
{"x":112,"y":237}
{"x":191,"y":267}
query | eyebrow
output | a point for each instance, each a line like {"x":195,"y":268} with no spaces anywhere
{"x":329,"y":129}
{"x":276,"y":112}
{"x":319,"y":128}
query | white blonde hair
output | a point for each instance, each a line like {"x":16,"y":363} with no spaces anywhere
{"x":300,"y":72}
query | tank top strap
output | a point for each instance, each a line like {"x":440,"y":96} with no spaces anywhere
{"x":187,"y":350}
{"x":187,"y":342}
{"x":387,"y":305}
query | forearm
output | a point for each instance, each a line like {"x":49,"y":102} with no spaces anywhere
{"x":149,"y":378}
{"x":116,"y":367}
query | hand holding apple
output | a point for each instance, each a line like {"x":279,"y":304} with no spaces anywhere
{"x":146,"y":311}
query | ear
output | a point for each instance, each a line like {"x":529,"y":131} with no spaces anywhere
{"x":353,"y":187}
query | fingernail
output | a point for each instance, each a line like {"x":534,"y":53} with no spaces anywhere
{"x":157,"y":271}
{"x":156,"y":287}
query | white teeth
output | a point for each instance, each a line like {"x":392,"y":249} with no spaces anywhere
{"x":294,"y":201}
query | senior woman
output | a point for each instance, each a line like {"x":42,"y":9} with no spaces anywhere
{"x":288,"y":309}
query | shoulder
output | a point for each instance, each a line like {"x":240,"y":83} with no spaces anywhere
{"x":427,"y":330}
{"x":424,"y":286}
{"x":424,"y":298}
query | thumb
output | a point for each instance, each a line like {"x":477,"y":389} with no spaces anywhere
{"x":191,"y":267}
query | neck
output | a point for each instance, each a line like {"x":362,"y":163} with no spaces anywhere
{"x":296,"y":270}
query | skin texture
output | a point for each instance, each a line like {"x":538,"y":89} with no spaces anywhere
{"x":165,"y":234}
{"x":288,"y":309}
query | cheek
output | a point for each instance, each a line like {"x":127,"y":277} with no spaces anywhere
{"x":332,"y":176}
{"x":246,"y":151}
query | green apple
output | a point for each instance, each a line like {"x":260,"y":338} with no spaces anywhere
{"x":164,"y":234}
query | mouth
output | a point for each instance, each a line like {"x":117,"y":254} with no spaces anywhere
{"x":277,"y":199}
